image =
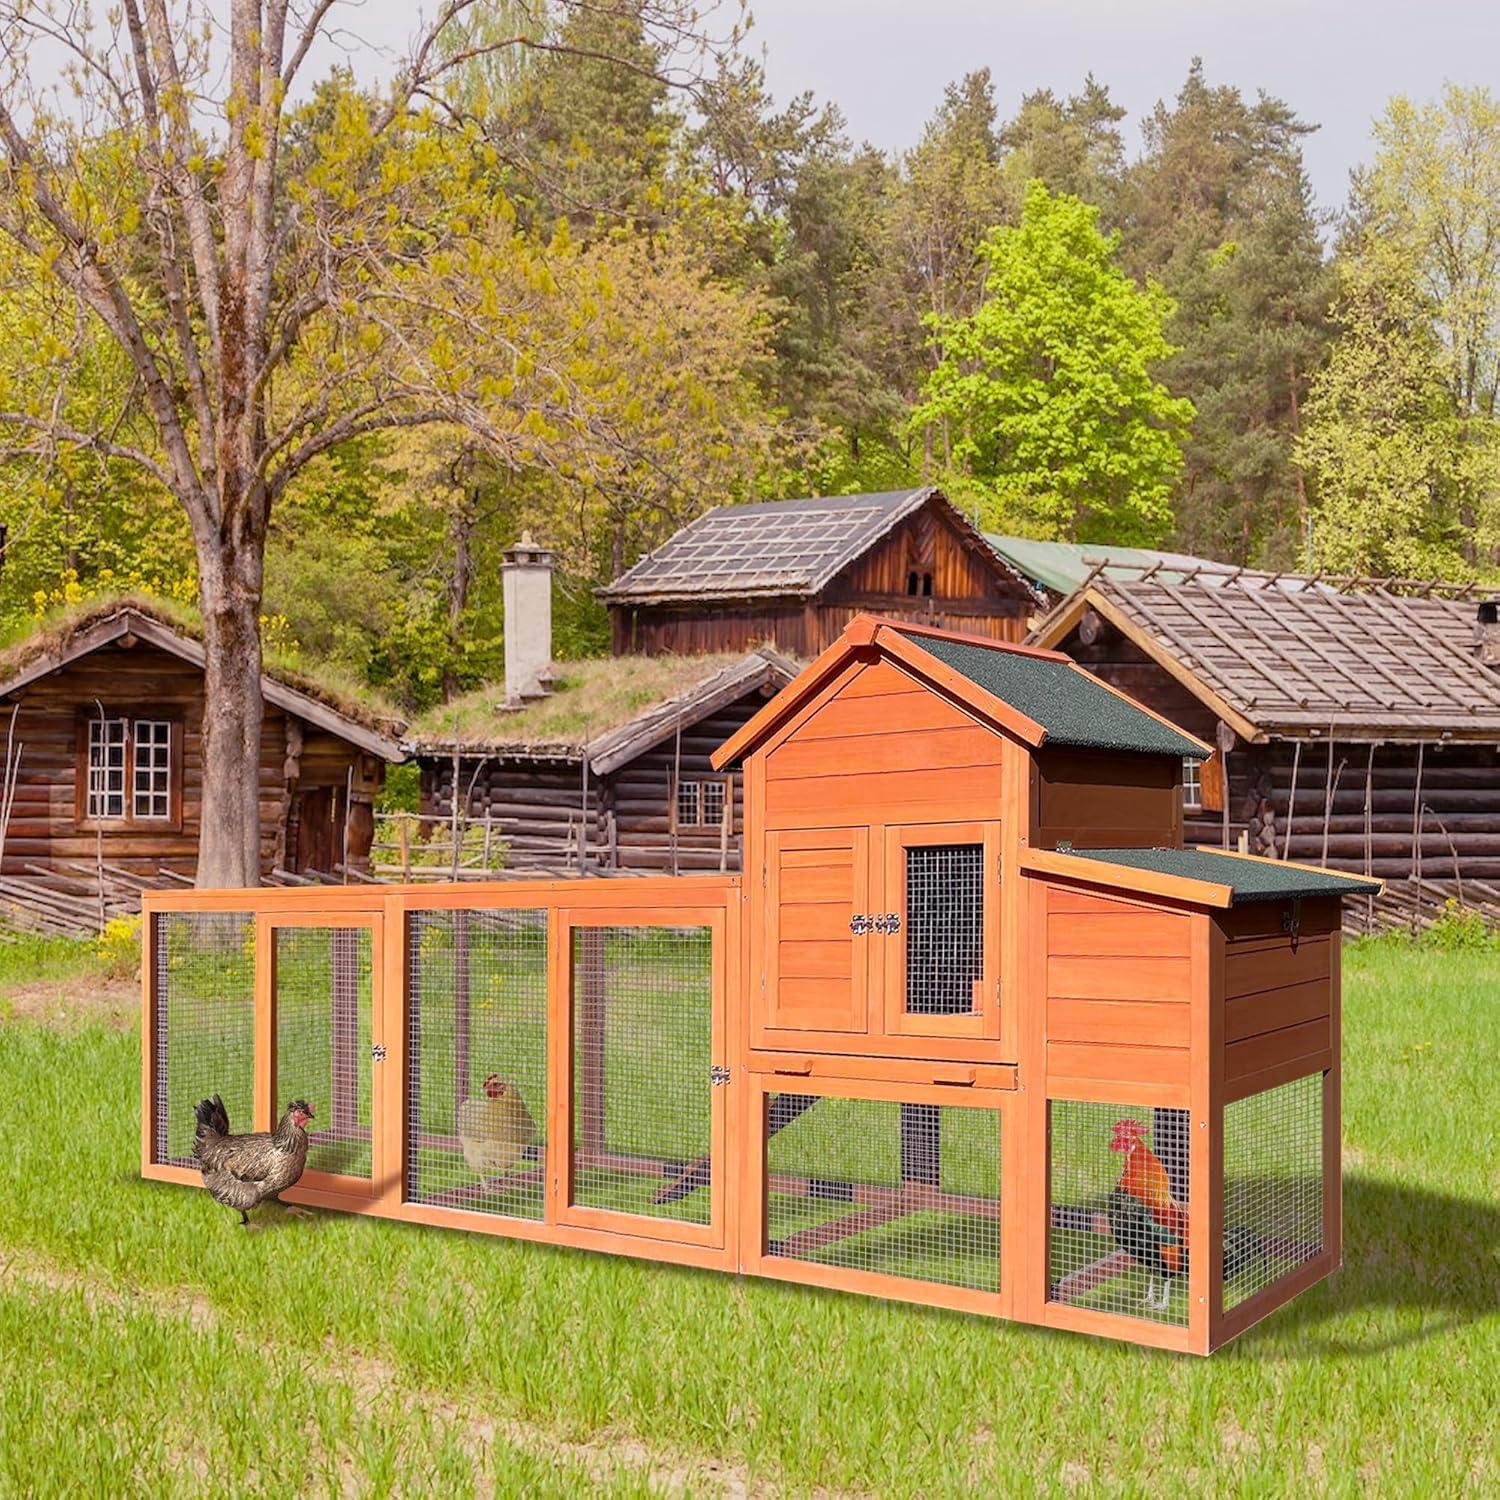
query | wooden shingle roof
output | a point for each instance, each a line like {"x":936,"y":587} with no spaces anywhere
{"x":1289,"y":656}
{"x":780,"y":549}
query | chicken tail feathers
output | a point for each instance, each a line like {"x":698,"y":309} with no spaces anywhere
{"x":211,"y":1115}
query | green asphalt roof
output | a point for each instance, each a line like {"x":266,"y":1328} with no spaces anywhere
{"x":1072,"y":707}
{"x":1247,"y":879}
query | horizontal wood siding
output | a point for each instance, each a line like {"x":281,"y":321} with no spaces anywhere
{"x":1118,"y":992}
{"x":884,"y":750}
{"x":1278,"y":994}
{"x":1098,"y":799}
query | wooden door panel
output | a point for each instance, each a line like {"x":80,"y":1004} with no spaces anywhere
{"x":813,"y":966}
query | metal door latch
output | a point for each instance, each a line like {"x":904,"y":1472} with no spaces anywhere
{"x":719,"y":1075}
{"x":863,"y":922}
{"x":890,"y":922}
{"x":859,"y":924}
{"x":377,"y":1052}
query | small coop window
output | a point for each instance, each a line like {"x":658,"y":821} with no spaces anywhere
{"x":1192,"y":783}
{"x":153,"y":768}
{"x":944,"y":928}
{"x":106,"y":768}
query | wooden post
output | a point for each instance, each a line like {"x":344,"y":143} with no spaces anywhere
{"x":403,"y":839}
{"x":1330,"y":789}
{"x":344,"y":986}
{"x":676,"y":785}
{"x":583,"y":827}
{"x":1369,"y":834}
{"x":460,"y":1007}
{"x":489,"y":823}
{"x":1291,"y":801}
{"x":453,"y":814}
{"x":725,"y":823}
{"x":588,"y":989}
{"x":1416,"y":843}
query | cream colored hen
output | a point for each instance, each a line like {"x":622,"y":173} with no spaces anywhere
{"x":495,"y":1130}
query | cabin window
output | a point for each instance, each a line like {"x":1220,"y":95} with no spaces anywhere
{"x":1192,"y":784}
{"x":106,"y":768}
{"x":699,"y":802}
{"x":153,"y":769}
{"x":129,"y":770}
{"x":944,"y":928}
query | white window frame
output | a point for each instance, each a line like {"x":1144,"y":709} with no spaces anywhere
{"x":106,"y":735}
{"x":156,"y":765}
{"x":1192,"y":784}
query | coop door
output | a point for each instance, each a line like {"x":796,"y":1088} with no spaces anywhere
{"x":940,"y":948}
{"x":815,"y":951}
{"x":645,"y":1077}
{"x":325,"y":1041}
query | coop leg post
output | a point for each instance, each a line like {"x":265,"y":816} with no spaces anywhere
{"x":591,"y":1044}
{"x":345,"y":992}
{"x":460,"y":1008}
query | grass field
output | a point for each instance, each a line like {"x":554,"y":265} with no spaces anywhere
{"x":151,"y":1347}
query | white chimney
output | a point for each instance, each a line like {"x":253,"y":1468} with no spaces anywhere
{"x":527,"y":571}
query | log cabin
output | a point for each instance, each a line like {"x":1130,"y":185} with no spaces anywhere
{"x":106,"y":708}
{"x":609,"y":771}
{"x":1356,"y":723}
{"x":793,"y":573}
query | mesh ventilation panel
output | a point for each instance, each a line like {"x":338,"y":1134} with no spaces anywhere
{"x":944,"y":928}
{"x":477,"y":1061}
{"x":873,"y":1185}
{"x":1273,"y":1185}
{"x":204,"y":1024}
{"x":1118,"y":1209}
{"x":323,"y":996}
{"x":642,"y":1050}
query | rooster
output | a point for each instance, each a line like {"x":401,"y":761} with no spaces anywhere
{"x":495,"y":1131}
{"x":1149,"y":1224}
{"x":242,"y":1171}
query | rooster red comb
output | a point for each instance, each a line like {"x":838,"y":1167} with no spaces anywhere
{"x":493,"y":1087}
{"x":1128,"y":1133}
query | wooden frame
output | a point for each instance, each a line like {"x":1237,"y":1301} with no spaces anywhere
{"x":984,"y":1019}
{"x":83,"y":822}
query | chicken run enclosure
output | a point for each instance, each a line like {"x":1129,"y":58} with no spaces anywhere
{"x":973,"y":1029}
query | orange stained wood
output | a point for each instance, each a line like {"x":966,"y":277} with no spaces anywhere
{"x":566,"y":1034}
{"x":815,"y":969}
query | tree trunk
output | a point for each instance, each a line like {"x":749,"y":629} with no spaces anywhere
{"x":461,"y":529}
{"x":230,"y":593}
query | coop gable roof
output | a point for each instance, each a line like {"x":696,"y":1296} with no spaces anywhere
{"x":57,"y":646}
{"x":1211,"y":877}
{"x":1041,"y":697}
{"x":1290,"y":656}
{"x":783,"y":549}
{"x":583,"y":719}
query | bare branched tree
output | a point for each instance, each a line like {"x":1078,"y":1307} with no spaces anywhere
{"x":275,"y":280}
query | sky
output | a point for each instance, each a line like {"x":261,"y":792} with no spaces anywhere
{"x":885,"y":62}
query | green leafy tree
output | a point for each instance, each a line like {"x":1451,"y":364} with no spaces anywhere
{"x":1393,"y":463}
{"x":1072,"y":144}
{"x":1058,"y":424}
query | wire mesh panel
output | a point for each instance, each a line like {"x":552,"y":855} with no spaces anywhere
{"x":944,"y":928}
{"x":875,"y":1185}
{"x":1273,"y":1185}
{"x":642,"y":1053}
{"x":204,"y":1024}
{"x":324,"y":990}
{"x":1118,"y":1237}
{"x":476,"y":1055}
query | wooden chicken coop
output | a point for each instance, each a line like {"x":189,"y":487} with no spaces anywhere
{"x":973,"y":1028}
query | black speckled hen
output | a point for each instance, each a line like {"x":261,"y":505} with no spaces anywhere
{"x":242,"y":1171}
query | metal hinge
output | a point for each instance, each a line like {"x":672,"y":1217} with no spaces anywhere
{"x":377,"y":1052}
{"x":762,"y":877}
{"x":719,"y":1075}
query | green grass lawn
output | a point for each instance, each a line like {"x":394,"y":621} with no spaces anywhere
{"x":151,"y":1347}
